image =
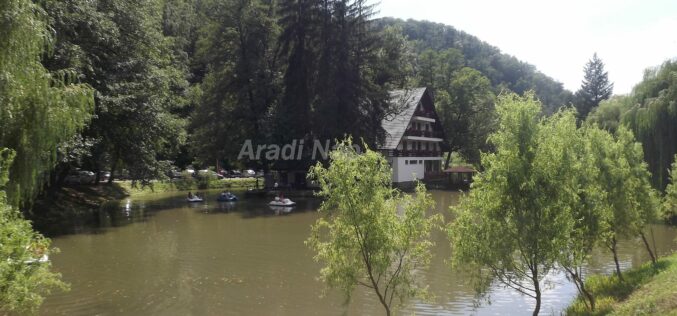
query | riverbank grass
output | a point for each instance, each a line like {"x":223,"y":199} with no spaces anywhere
{"x":189,"y":184}
{"x":646,"y":290}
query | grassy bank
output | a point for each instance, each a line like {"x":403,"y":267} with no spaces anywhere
{"x":647,"y":290}
{"x":189,"y":184}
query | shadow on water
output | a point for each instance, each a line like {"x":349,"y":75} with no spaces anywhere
{"x":119,"y":213}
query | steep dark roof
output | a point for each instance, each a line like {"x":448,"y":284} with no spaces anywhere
{"x":405,"y":101}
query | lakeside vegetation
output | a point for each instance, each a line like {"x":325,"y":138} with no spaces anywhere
{"x":650,"y":289}
{"x":77,"y":200}
{"x":550,"y":193}
{"x":149,"y":85}
{"x":189,"y":184}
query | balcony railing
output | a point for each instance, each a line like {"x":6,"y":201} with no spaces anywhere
{"x":422,"y":133}
{"x":412,"y":153}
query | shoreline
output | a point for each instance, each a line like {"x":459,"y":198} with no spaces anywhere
{"x":647,"y":290}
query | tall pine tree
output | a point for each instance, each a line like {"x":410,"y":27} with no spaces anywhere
{"x":595,"y":87}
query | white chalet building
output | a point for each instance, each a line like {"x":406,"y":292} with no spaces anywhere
{"x":414,"y":139}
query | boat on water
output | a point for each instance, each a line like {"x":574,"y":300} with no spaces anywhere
{"x":194,"y":199}
{"x":281,"y":202}
{"x":227,"y":197}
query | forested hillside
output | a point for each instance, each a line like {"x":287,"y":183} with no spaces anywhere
{"x":504,"y":71}
{"x":180,"y":82}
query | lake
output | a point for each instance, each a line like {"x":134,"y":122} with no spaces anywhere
{"x":158,"y":255}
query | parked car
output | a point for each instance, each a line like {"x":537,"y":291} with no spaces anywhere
{"x":208,"y":173}
{"x":250,"y":173}
{"x":104,"y":176}
{"x":235,"y":174}
{"x":174,"y":174}
{"x":80,"y":177}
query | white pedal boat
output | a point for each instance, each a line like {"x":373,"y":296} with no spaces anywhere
{"x":282,"y":202}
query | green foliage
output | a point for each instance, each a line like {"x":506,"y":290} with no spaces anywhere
{"x":657,"y":294}
{"x":669,"y":209}
{"x":118,"y":47}
{"x":653,"y":119}
{"x":37,"y":110}
{"x":650,"y":112}
{"x":237,"y":47}
{"x":370,"y":234}
{"x":518,"y":217}
{"x":647,"y":283}
{"x":595,"y":87}
{"x":623,"y":176}
{"x":464,"y":99}
{"x":337,"y":72}
{"x":609,"y":114}
{"x":466,"y":110}
{"x":503,"y":71}
{"x":23,"y":279}
{"x":589,"y":214}
{"x":187,"y":183}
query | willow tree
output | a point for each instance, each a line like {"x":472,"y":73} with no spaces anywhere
{"x":589,"y":213}
{"x":370,"y":235}
{"x":629,"y":197}
{"x":37,"y":110}
{"x":669,"y":208}
{"x":516,"y":220}
{"x":24,"y":277}
{"x":653,"y":119}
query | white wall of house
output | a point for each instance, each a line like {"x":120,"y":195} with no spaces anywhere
{"x":406,"y":171}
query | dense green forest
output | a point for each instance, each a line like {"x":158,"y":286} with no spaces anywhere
{"x":138,"y":87}
{"x":186,"y":82}
{"x":179,"y":82}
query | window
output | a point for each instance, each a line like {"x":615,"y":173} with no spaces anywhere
{"x":420,"y":161}
{"x":412,"y":162}
{"x":406,"y":162}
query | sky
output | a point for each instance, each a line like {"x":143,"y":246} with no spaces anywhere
{"x":560,"y":37}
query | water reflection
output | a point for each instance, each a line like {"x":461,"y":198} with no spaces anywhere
{"x":281,"y":210}
{"x":159,"y":255}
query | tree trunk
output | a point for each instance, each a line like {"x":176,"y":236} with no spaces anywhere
{"x":537,"y":289}
{"x":446,"y":163}
{"x":61,"y":177}
{"x":615,"y":252}
{"x":580,"y":285}
{"x":97,"y":173}
{"x":113,"y":168}
{"x":648,"y":248}
{"x":587,"y":293}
